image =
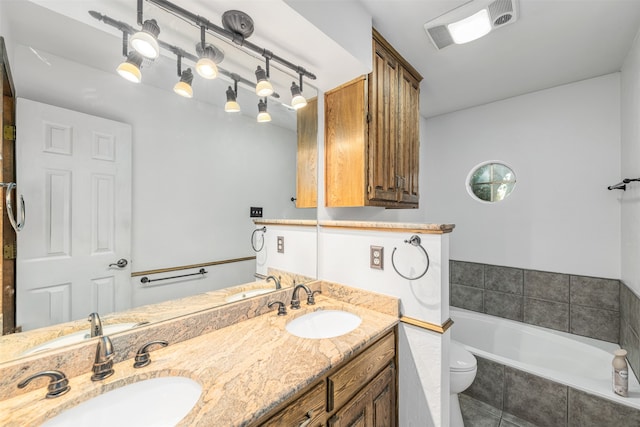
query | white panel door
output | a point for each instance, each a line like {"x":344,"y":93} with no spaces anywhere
{"x":75,"y":173}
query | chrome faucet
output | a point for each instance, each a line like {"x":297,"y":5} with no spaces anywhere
{"x":276,"y":281}
{"x":103,"y":364}
{"x":58,"y":384}
{"x":295,"y":300}
{"x":96,"y":325}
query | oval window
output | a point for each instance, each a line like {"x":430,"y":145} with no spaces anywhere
{"x":491,"y":182}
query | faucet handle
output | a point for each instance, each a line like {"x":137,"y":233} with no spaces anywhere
{"x":282,"y":310}
{"x":58,"y":385}
{"x":311,"y":299}
{"x":142,"y":356}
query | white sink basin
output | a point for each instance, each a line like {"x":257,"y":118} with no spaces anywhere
{"x":77,"y":337}
{"x":323,"y":324}
{"x":247,"y":294}
{"x":154,"y":402}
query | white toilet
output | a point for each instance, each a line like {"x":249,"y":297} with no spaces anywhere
{"x":462,"y":371}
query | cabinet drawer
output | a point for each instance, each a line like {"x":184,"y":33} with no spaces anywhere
{"x":348,"y":380}
{"x":306,"y":411}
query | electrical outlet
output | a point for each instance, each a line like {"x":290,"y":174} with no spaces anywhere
{"x":255,"y":212}
{"x":280,"y":244}
{"x":376,"y":257}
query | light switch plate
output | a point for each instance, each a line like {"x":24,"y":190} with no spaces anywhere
{"x":376,"y":257}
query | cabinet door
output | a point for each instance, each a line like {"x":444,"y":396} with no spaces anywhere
{"x":408,"y":143}
{"x":345,"y":130}
{"x":307,"y":156}
{"x":373,"y":406}
{"x":383,"y":122}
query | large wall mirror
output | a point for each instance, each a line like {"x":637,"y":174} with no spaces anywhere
{"x":195,"y":170}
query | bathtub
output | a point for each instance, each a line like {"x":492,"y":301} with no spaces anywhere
{"x":579,"y":362}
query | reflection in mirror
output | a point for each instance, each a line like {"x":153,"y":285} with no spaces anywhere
{"x":196,"y":171}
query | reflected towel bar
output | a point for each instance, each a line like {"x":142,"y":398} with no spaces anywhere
{"x":622,"y":185}
{"x":202,"y":272}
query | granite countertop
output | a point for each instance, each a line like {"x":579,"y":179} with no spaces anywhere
{"x":13,"y":346}
{"x":246,"y":369}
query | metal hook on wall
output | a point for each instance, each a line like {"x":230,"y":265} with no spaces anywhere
{"x":264,"y":230}
{"x":415,"y":241}
{"x":15,"y":223}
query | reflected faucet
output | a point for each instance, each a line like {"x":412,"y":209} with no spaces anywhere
{"x":295,"y":300}
{"x":96,"y":325}
{"x":103,"y":364}
{"x":276,"y":281}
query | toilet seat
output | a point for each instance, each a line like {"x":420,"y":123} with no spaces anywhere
{"x":460,"y":359}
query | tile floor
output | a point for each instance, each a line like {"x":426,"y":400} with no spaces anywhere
{"x":479,"y":414}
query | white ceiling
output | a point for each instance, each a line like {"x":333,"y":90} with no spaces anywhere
{"x":554,"y":42}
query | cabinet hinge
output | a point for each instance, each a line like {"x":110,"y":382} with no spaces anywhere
{"x":9,"y":132}
{"x":368,"y":117}
{"x":9,"y":251}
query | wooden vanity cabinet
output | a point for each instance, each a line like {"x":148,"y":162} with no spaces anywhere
{"x":359,"y":392}
{"x":372,"y":135}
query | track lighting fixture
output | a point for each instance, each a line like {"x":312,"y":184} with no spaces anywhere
{"x":145,"y":42}
{"x":263,"y":87}
{"x":232,"y":105}
{"x":297,"y":100}
{"x":183,"y":87}
{"x":205,"y":66}
{"x":263,"y":114}
{"x":208,"y":55}
{"x":130,"y":68}
{"x":238,"y":27}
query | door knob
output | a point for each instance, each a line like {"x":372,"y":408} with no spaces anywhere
{"x":121,"y":263}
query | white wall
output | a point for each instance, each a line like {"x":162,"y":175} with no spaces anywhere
{"x":629,"y":200}
{"x":300,"y":249}
{"x":564,"y":145}
{"x":196,"y":169}
{"x":423,"y":355}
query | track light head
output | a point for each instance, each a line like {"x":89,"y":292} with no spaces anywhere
{"x":297,"y":100}
{"x":208,"y":57}
{"x":130,"y":68}
{"x":145,"y":41}
{"x":183,"y":87}
{"x":263,"y":114}
{"x":232,"y":105}
{"x":264,"y":87}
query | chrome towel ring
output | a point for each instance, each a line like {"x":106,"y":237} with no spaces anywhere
{"x":415,"y":241}
{"x":15,"y":223}
{"x":264,"y":230}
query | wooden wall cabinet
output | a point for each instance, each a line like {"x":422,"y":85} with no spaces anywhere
{"x":372,"y":135}
{"x":307,"y":156}
{"x":360,"y":392}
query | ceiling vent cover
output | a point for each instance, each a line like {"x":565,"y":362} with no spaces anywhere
{"x":501,"y":13}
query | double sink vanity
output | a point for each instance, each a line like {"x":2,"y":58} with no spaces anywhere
{"x":240,"y":364}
